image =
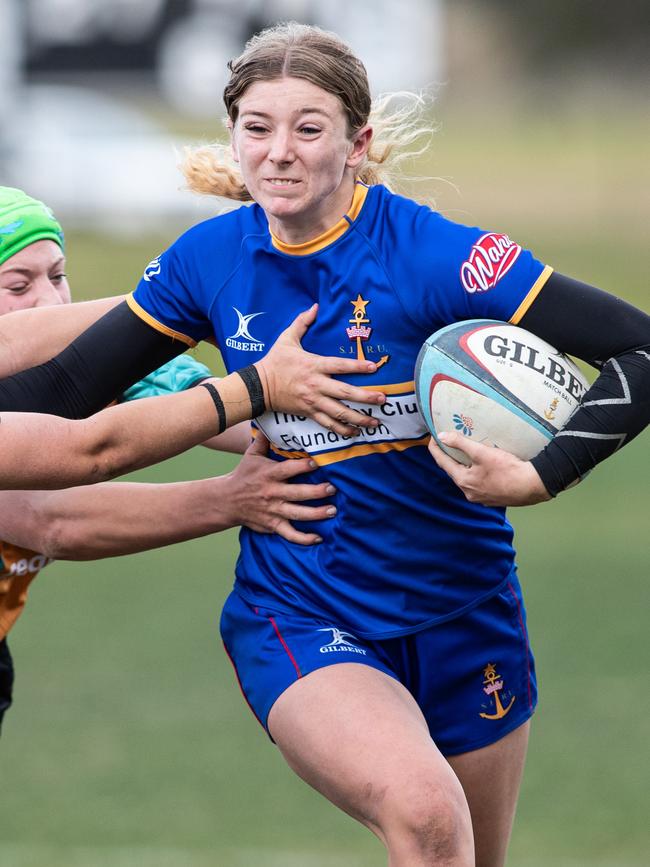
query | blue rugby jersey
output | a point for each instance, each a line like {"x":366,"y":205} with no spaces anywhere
{"x":405,"y":549}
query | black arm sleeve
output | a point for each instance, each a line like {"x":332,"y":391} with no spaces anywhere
{"x":612,"y":335}
{"x":118,"y":350}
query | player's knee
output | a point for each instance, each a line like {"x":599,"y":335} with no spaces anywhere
{"x":433,"y":822}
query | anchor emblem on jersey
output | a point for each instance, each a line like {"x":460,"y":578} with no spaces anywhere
{"x":361,"y":329}
{"x":492,"y":685}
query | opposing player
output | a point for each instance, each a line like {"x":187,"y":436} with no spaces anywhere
{"x":391,"y":663}
{"x":107,"y":520}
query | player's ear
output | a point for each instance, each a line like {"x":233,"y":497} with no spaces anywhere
{"x":233,"y":141}
{"x":359,"y":146}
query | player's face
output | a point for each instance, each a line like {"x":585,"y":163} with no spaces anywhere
{"x":295,"y":156}
{"x":34,"y":277}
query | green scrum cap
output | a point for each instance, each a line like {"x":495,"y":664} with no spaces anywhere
{"x":23,"y":221}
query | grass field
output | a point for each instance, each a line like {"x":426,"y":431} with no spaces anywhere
{"x":130,"y":746}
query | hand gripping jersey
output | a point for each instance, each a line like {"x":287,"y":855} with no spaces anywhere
{"x":405,"y":549}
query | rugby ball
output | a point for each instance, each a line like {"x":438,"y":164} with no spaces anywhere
{"x":497,"y":384}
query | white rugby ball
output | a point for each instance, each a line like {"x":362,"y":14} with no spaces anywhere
{"x":497,"y":384}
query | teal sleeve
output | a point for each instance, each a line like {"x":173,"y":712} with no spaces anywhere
{"x":178,"y":374}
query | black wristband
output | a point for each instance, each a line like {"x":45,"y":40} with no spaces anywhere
{"x":216,"y":399}
{"x":253,"y":385}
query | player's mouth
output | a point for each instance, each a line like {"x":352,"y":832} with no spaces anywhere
{"x":284,"y":183}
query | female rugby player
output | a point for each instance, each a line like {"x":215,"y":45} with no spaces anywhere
{"x":390,"y":664}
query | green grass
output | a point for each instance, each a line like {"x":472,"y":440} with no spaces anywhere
{"x":129,"y":738}
{"x":130,"y":745}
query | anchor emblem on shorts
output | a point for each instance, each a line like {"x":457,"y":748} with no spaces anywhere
{"x":361,"y":329}
{"x":492,"y":685}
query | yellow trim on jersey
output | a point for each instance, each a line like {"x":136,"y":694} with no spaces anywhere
{"x":359,"y":197}
{"x":148,"y":318}
{"x":325,"y":458}
{"x":517,"y":316}
{"x":398,"y":388}
{"x":331,"y":235}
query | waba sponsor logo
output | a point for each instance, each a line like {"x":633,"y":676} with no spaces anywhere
{"x":491,"y":257}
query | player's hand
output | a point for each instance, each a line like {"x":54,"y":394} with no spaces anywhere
{"x":264,"y":499}
{"x":494,"y":477}
{"x":299,"y":382}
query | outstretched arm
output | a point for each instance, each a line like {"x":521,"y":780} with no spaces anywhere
{"x":121,"y":348}
{"x":29,"y":337}
{"x":48,"y":452}
{"x":116,"y":518}
{"x":44,"y":451}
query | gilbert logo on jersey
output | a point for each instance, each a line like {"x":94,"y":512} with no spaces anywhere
{"x":242,"y":339}
{"x":491,"y":257}
{"x":360,"y":331}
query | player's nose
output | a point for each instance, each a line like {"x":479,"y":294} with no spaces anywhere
{"x":46,"y":294}
{"x":281,"y":148}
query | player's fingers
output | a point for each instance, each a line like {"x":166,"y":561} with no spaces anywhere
{"x":295,"y":467}
{"x":326,"y":421}
{"x":342,"y":428}
{"x":358,"y":394}
{"x":288,"y":532}
{"x":444,"y":461}
{"x":332,"y":366}
{"x":454,"y":440}
{"x":295,"y":493}
{"x":298,"y":328}
{"x":342,"y":418}
{"x":330,"y":424}
{"x":297,"y":512}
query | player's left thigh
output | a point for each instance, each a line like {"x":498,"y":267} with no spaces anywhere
{"x":358,"y":737}
{"x":490,"y":778}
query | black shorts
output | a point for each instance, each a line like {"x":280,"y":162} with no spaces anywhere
{"x":6,"y":677}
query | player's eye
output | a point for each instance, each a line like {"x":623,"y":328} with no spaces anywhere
{"x":257,"y":128}
{"x":58,"y":278}
{"x":309,"y":130}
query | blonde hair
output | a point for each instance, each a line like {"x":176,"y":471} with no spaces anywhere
{"x":320,"y":57}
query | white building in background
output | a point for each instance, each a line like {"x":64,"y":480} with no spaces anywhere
{"x":400,"y":42}
{"x":98,"y":161}
{"x":11,"y":57}
{"x":69,"y":22}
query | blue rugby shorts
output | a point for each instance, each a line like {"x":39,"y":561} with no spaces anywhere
{"x":473,"y":676}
